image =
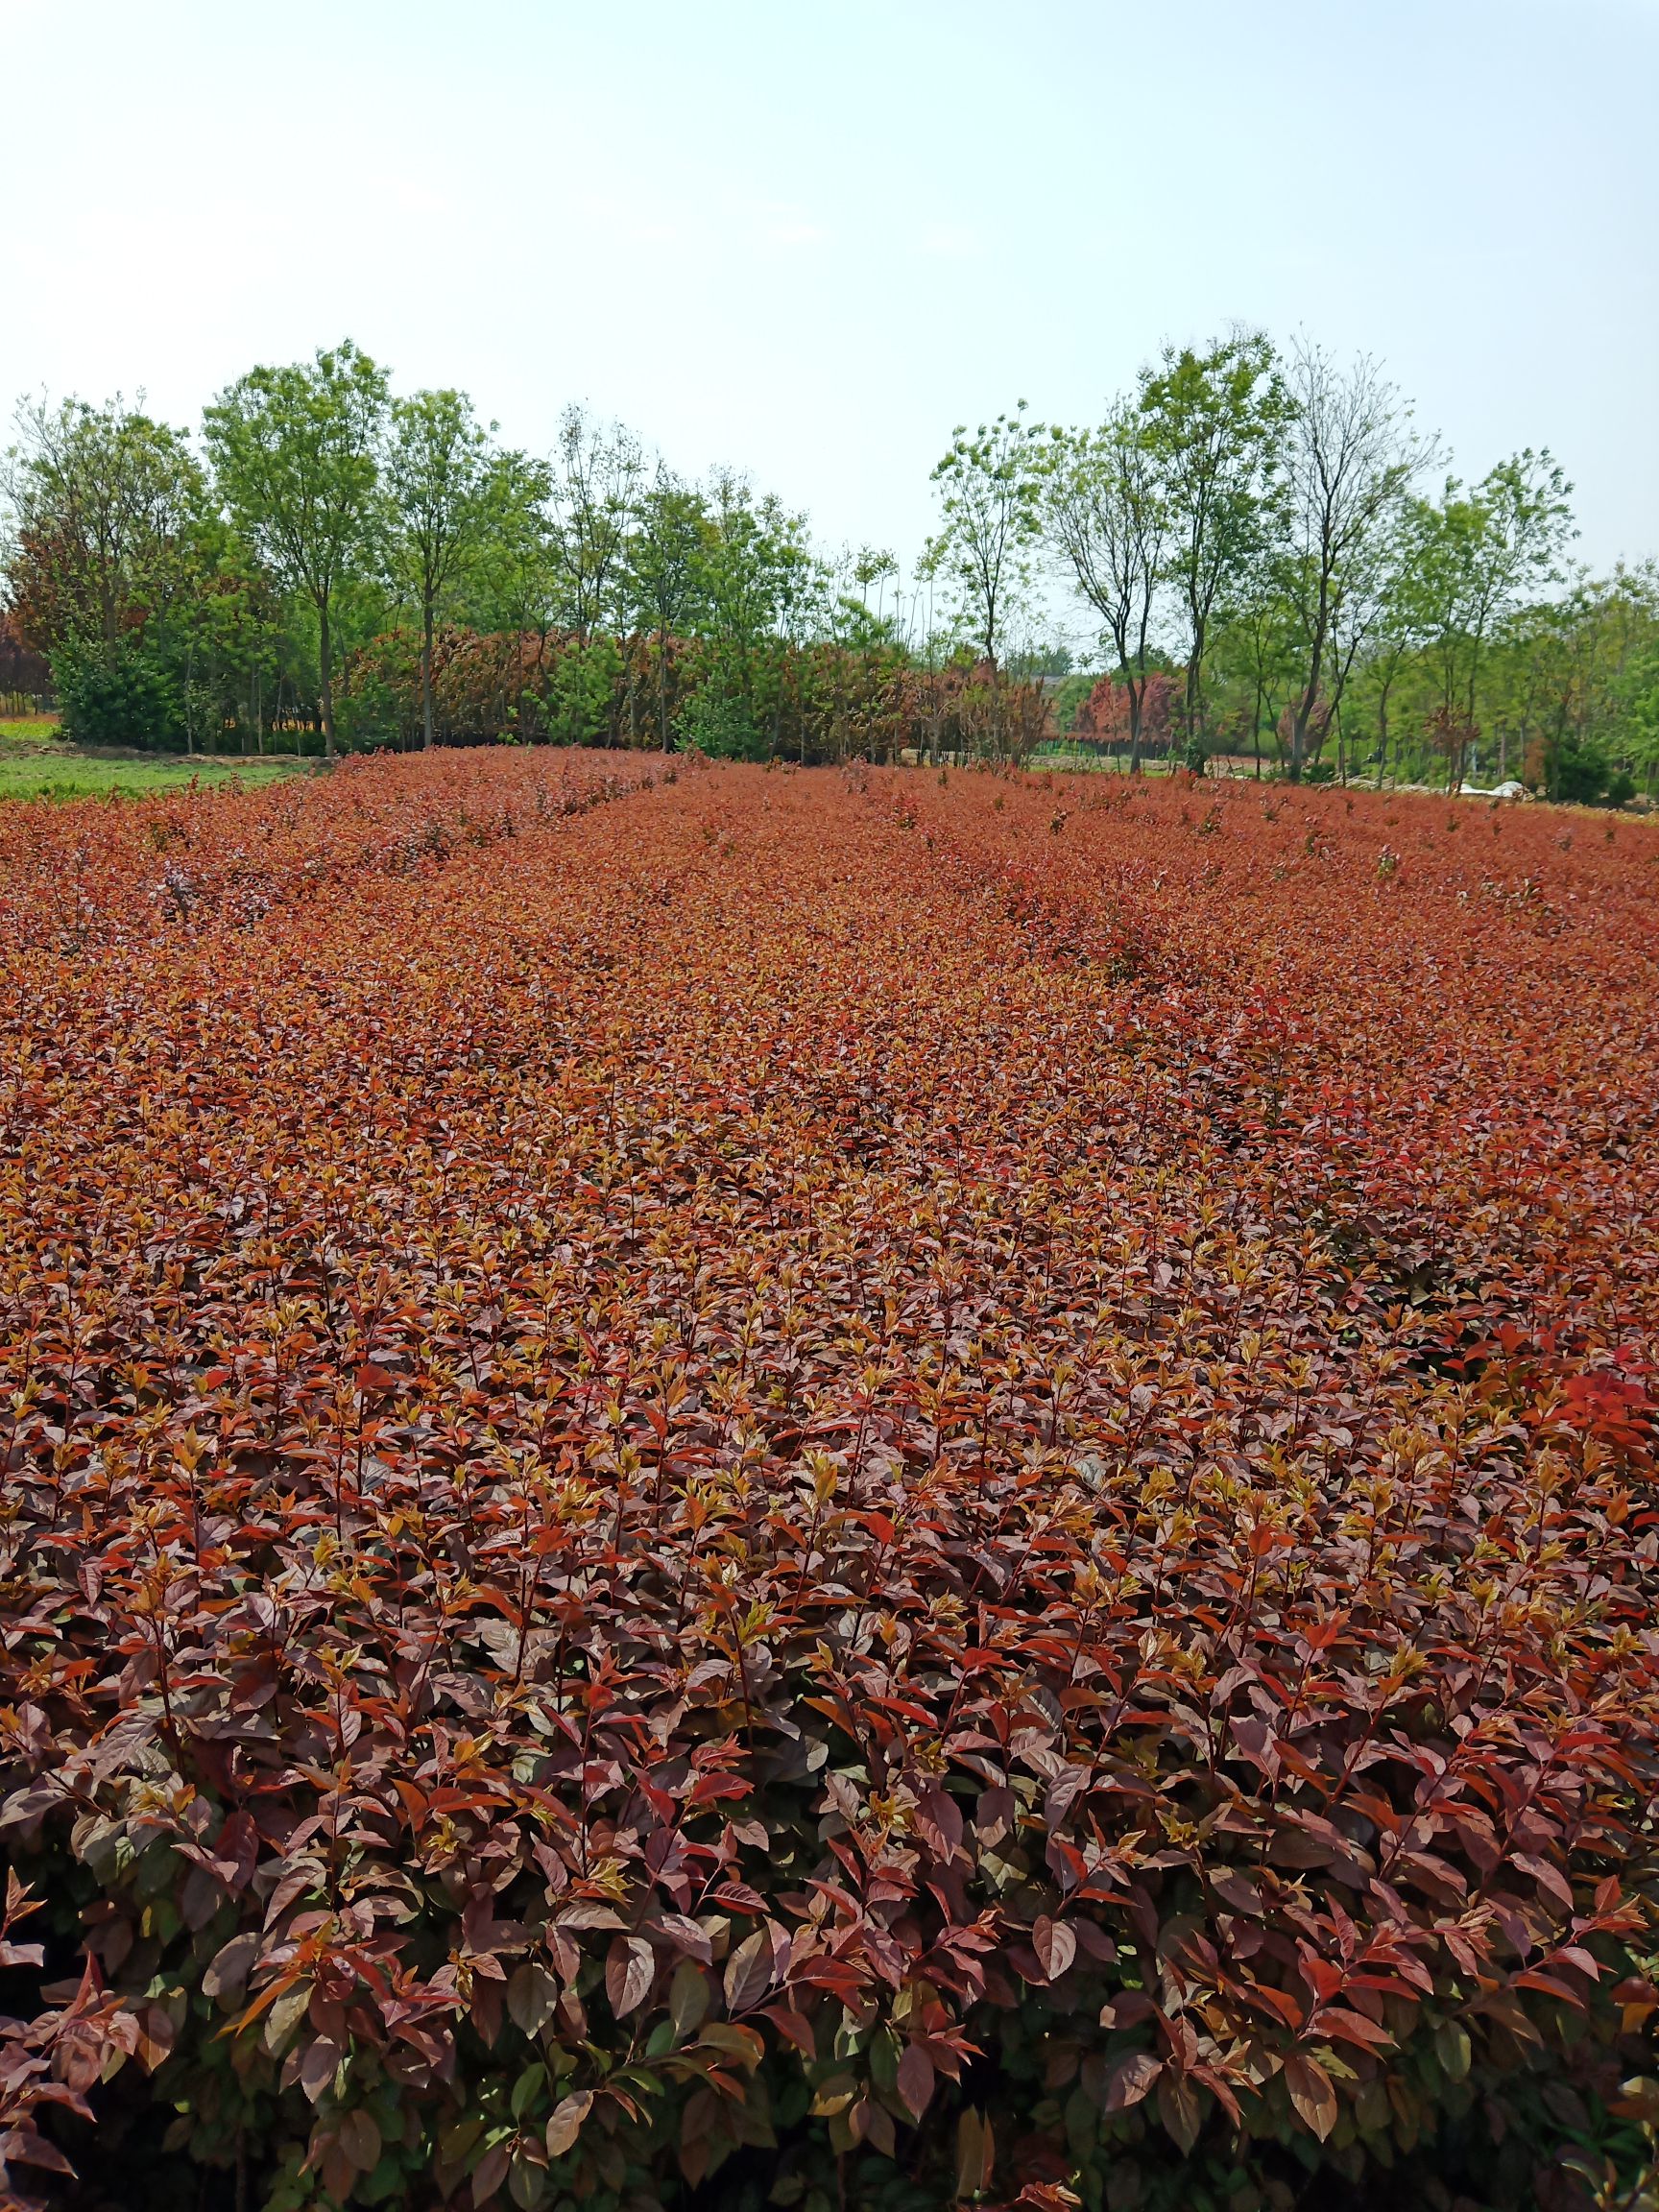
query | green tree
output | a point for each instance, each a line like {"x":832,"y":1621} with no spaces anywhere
{"x":1254,"y":653}
{"x":801,"y":590}
{"x":438,"y":484}
{"x":991,"y":502}
{"x":1475,"y":554}
{"x":753,"y":576}
{"x":103,"y":505}
{"x":1107,"y":517}
{"x":596,"y":477}
{"x":1639,"y":685}
{"x":511,"y":587}
{"x":664,"y":551}
{"x":107,"y":518}
{"x":216,"y":636}
{"x":1215,"y":421}
{"x":296,"y":455}
{"x":1350,"y":457}
{"x":1631,"y":664}
{"x":1393,"y":640}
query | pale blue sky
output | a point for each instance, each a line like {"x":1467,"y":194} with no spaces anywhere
{"x":807,"y":239}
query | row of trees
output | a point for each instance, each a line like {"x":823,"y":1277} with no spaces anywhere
{"x":1263,"y":561}
{"x":1263,"y":527}
{"x":333,"y":558}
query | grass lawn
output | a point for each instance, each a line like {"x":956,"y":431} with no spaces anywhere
{"x":57,"y":773}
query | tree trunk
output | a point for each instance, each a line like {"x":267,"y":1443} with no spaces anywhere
{"x":1299,"y":718}
{"x":1194,"y":674}
{"x":325,"y":656}
{"x":1302,"y":713}
{"x":665,"y":734}
{"x":426,"y":739}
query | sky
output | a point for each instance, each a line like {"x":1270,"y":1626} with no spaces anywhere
{"x":806,"y":238}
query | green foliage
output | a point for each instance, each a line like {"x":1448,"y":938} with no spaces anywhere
{"x":579,"y":700}
{"x":1469,"y":626}
{"x":104,"y":503}
{"x":510,"y":578}
{"x":1109,"y":515}
{"x":1326,"y":616}
{"x":1070,"y":695}
{"x":1471,"y":559}
{"x":720,"y":724}
{"x":126,"y":696}
{"x":990,"y":499}
{"x":370,"y":572}
{"x":1212,"y":422}
{"x":1635,"y":684}
{"x":295,"y":451}
{"x":1578,"y":771}
{"x":594,"y":484}
{"x":369,"y":714}
{"x":438,"y":496}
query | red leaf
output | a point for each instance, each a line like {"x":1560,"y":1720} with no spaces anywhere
{"x":1132,"y":2079}
{"x":1180,"y":2108}
{"x":564,"y":2124}
{"x":630,"y":1969}
{"x":1312,"y":2094}
{"x":1055,"y":1945}
{"x":915,"y":2079}
{"x":749,"y":1970}
{"x":360,"y":2140}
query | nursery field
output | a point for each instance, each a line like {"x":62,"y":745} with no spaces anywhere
{"x":735,"y":1487}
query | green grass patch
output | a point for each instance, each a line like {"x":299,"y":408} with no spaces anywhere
{"x":31,"y":730}
{"x":61,"y":774}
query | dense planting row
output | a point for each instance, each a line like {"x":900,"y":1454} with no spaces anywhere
{"x":830,"y":1490}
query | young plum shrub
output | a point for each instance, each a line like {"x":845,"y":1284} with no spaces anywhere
{"x":736,"y":1487}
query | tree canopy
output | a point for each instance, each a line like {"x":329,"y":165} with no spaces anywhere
{"x":1260,"y":562}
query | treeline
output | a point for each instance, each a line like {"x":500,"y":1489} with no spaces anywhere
{"x":1267,"y":568}
{"x":331,"y":564}
{"x":1282,"y":571}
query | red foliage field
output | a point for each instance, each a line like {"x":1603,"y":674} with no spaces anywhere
{"x":732,"y":1486}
